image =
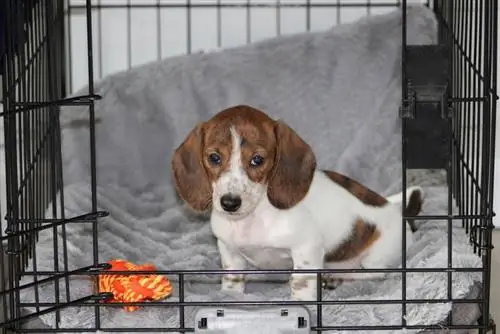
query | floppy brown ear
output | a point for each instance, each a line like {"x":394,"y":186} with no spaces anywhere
{"x":294,"y":168}
{"x":189,"y":175}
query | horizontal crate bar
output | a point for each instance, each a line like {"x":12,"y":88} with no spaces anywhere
{"x":88,"y":219}
{"x":42,"y":312}
{"x":258,"y":303}
{"x":47,"y":221}
{"x":237,"y":5}
{"x":72,"y":101}
{"x":85,"y":217}
{"x":191,"y":330}
{"x":45,"y":280}
{"x":193,"y":272}
{"x":467,"y":99}
{"x":453,"y":217}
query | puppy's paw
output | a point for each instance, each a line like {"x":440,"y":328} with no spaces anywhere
{"x":303,"y":288}
{"x":331,"y":283}
{"x":233,"y":283}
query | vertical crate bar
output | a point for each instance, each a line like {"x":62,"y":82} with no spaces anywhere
{"x":93,"y":166}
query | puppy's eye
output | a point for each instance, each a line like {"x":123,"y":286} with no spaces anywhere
{"x":214,"y":159}
{"x":257,"y":160}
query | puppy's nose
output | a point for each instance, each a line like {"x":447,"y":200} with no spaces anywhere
{"x":230,"y":202}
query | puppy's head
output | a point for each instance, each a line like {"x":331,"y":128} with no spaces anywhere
{"x":230,"y":162}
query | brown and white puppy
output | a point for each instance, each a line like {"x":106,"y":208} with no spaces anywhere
{"x":271,"y":207}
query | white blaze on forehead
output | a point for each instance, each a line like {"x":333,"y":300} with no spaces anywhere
{"x":235,"y":181}
{"x":235,"y":165}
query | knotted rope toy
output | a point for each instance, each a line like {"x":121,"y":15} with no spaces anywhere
{"x":133,"y":287}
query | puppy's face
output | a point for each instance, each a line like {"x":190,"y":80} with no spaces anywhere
{"x":239,"y":156}
{"x":230,"y":162}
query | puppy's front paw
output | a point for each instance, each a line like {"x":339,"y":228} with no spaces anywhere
{"x":303,"y":288}
{"x":331,"y":283}
{"x":233,"y":283}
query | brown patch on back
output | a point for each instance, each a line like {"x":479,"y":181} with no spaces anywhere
{"x":364,"y":194}
{"x":363,"y":235}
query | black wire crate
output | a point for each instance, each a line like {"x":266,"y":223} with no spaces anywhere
{"x":32,"y":81}
{"x":54,"y":251}
{"x":33,"y":89}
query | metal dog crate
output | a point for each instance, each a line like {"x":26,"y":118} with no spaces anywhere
{"x":448,"y":90}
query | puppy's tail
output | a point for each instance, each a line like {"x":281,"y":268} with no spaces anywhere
{"x":414,"y":202}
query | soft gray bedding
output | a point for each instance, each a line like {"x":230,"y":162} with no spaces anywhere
{"x":340,"y":89}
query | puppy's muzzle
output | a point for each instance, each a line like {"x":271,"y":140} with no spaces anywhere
{"x":230,"y":202}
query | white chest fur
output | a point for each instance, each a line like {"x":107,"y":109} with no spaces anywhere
{"x":263,"y":238}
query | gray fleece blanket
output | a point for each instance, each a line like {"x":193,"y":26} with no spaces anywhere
{"x":340,"y":90}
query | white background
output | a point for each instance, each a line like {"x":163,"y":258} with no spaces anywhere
{"x":112,"y":45}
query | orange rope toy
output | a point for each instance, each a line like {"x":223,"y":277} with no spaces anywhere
{"x":133,"y":288}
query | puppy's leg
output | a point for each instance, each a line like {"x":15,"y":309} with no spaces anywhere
{"x":333,"y":280}
{"x":304,"y":285}
{"x":382,"y":254}
{"x":386,"y":252}
{"x":231,"y":260}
